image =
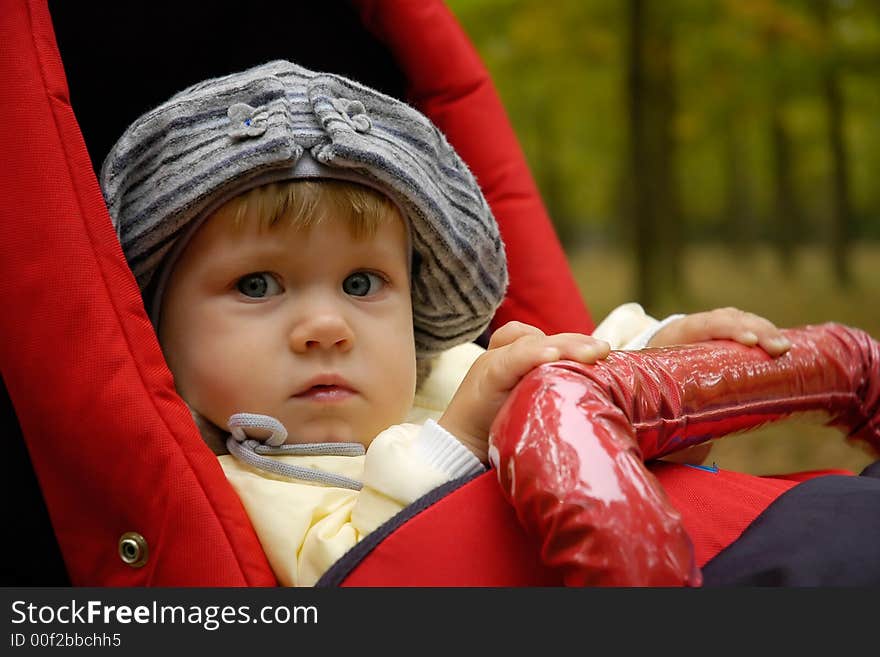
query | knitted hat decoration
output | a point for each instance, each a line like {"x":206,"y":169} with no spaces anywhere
{"x":278,"y":121}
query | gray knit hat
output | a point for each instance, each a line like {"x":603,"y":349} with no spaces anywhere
{"x":279,"y":121}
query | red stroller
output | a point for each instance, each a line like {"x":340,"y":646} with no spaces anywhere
{"x":134,"y":496}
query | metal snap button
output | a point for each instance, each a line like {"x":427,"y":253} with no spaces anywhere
{"x":133,"y":549}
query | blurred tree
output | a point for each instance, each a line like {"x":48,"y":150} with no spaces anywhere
{"x":663,"y":84}
{"x":737,"y":213}
{"x":787,"y":226}
{"x":720,"y":72}
{"x":652,"y":167}
{"x":841,"y":218}
{"x":639,"y":168}
{"x":857,"y":33}
{"x":786,"y":229}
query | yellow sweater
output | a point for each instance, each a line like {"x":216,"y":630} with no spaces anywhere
{"x":304,"y":528}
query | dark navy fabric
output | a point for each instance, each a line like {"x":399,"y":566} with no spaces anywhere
{"x":823,"y":532}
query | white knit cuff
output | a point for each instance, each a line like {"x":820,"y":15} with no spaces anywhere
{"x":642,"y":339}
{"x":441,"y":450}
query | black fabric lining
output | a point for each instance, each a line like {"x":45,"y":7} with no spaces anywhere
{"x":163,"y":46}
{"x":30,"y":556}
{"x":351,"y":559}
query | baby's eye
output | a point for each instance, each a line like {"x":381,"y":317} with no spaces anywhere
{"x":258,"y":285}
{"x":362,"y":283}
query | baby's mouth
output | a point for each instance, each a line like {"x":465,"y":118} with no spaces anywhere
{"x":326,"y":392}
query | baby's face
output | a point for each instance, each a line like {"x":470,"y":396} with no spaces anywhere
{"x":313,"y":327}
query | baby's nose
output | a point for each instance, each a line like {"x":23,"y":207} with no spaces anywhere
{"x":324,"y":330}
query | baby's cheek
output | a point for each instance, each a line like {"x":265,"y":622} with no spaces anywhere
{"x":398,"y":394}
{"x":216,"y":385}
{"x":404,"y":398}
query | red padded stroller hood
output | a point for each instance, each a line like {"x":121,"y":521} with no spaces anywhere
{"x":115,"y":449}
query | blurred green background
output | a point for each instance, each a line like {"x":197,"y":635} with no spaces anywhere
{"x":703,"y":153}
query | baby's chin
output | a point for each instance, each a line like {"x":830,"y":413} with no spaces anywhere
{"x":332,"y":431}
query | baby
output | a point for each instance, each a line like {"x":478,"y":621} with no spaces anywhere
{"x":317,"y":261}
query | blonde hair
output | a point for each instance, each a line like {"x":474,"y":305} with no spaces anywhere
{"x":306,"y":203}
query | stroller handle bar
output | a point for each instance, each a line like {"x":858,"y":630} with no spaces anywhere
{"x":569,"y":445}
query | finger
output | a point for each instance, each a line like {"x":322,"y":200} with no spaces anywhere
{"x":753,"y":330}
{"x":747,"y":328}
{"x":511,"y":332}
{"x":775,"y":343}
{"x":696,"y":327}
{"x":512,"y":362}
{"x":578,"y":347}
{"x":515,"y":360}
{"x":731,"y":324}
{"x":734,"y":324}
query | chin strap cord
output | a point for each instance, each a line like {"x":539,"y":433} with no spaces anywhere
{"x":256,"y":453}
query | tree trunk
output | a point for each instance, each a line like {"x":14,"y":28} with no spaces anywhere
{"x":737,"y":224}
{"x":652,"y":105}
{"x":841,"y":209}
{"x":786,"y":224}
{"x":638,"y":169}
{"x":666,"y":199}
